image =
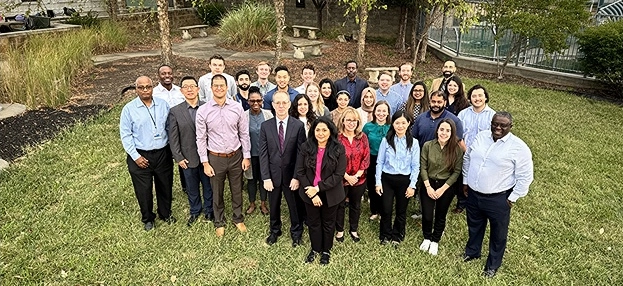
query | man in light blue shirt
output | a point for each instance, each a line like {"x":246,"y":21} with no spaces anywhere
{"x":384,"y":92}
{"x":403,"y":87}
{"x":143,"y":131}
{"x":497,"y":170}
{"x":476,"y":117}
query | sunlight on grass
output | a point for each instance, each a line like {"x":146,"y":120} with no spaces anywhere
{"x":69,"y":216}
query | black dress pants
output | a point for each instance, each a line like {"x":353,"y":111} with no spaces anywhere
{"x":437,"y":209}
{"x":296,"y":207}
{"x":354,"y":194}
{"x":375,"y":200}
{"x":158,"y":173}
{"x":321,"y":225}
{"x":394,"y":188}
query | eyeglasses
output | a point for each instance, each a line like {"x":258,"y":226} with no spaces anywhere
{"x":280,"y":102}
{"x":253,"y":101}
{"x":144,"y":87}
{"x":418,"y":90}
{"x":191,"y":86}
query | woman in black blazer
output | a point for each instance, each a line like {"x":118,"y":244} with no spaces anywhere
{"x":320,"y":169}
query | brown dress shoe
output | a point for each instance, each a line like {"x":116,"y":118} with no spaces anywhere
{"x":264,"y":208}
{"x":251,"y":208}
{"x":220,"y":231}
{"x":241,"y":227}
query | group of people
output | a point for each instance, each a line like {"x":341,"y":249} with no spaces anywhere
{"x":321,"y":146}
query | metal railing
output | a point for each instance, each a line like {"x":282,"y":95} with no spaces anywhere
{"x":480,"y":42}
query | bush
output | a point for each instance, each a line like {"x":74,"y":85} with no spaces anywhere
{"x":36,"y":75}
{"x":602,"y":47}
{"x":250,"y":24}
{"x":210,"y":12}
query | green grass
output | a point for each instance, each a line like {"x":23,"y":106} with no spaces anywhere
{"x":69,"y":207}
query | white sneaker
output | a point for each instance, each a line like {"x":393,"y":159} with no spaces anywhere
{"x":425,"y":245}
{"x":416,"y":216}
{"x":374,"y":216}
{"x":434,"y":248}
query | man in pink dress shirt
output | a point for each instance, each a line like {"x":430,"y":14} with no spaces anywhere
{"x":224,"y":148}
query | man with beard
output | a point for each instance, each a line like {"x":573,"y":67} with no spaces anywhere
{"x":243,"y":81}
{"x":142,"y":128}
{"x":448,"y":70}
{"x":385,"y":93}
{"x":263,"y":71}
{"x":165,"y":89}
{"x":217,"y":66}
{"x":282,"y":77}
{"x":403,"y":87}
{"x":353,"y":84}
{"x":425,"y":125}
{"x":497,"y":170}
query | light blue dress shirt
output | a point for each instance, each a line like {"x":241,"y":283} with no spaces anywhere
{"x":144,"y":128}
{"x":394,"y":99}
{"x":402,"y":161}
{"x":492,"y":167}
{"x":474,"y":122}
{"x":402,"y":89}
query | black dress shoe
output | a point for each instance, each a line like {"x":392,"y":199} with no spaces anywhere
{"x":192,"y":219}
{"x":384,"y":241}
{"x":148,"y":225}
{"x":272,"y":238}
{"x":170,"y":220}
{"x":209,"y":216}
{"x":311,"y":257}
{"x":467,"y":258}
{"x":355,"y":238}
{"x":324,"y":258}
{"x":489,"y":273}
{"x":296,"y":242}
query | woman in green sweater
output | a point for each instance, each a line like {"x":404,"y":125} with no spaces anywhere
{"x":441,"y":161}
{"x":376,"y":130}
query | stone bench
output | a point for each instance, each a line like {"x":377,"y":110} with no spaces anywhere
{"x":311,"y":31}
{"x":299,"y":47}
{"x":186,"y":31}
{"x":373,"y":73}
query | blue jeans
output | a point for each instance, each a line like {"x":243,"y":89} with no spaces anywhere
{"x":193,"y":177}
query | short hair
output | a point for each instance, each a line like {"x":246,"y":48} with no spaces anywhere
{"x":504,"y":114}
{"x":405,"y":63}
{"x":385,"y":73}
{"x":163,"y":65}
{"x":238,"y":74}
{"x":188,"y":77}
{"x":282,"y":68}
{"x":151,"y":82}
{"x":309,"y":67}
{"x":475,"y":87}
{"x":263,"y":63}
{"x":254,"y":89}
{"x":351,"y":61}
{"x":218,"y":76}
{"x":438,"y":93}
{"x":216,"y":57}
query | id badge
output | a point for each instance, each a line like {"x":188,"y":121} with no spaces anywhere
{"x":157,"y":135}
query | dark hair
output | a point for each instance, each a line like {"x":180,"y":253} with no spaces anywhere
{"x":294,"y":111}
{"x":309,"y":149}
{"x":424,"y":102}
{"x":438,"y":93}
{"x":187,"y":78}
{"x":331,"y":101}
{"x":238,"y":74}
{"x":391,"y":134}
{"x":449,"y":151}
{"x":164,"y":65}
{"x":281,"y":68}
{"x":254,"y":89}
{"x":385,"y":73}
{"x":389,"y":110}
{"x":475,"y":87}
{"x":216,"y":57}
{"x":351,"y":61}
{"x":504,"y":114}
{"x":342,"y":92}
{"x":309,"y":67}
{"x":219,"y":76}
{"x":460,"y":100}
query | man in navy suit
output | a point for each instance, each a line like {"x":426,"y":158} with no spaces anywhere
{"x":352,"y":83}
{"x":183,"y":143}
{"x":280,"y":139}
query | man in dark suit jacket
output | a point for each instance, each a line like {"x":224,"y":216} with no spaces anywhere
{"x":183,"y":143}
{"x":280,"y":139}
{"x":352,"y":83}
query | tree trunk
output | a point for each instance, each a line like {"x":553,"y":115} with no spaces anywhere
{"x":516,"y":43}
{"x":113,"y":9}
{"x":415,"y":43}
{"x":165,"y":33}
{"x":363,"y":26}
{"x":423,"y":48}
{"x":281,"y":25}
{"x":402,"y":32}
{"x":319,"y":4}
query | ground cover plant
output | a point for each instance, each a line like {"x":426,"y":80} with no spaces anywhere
{"x":68,"y":216}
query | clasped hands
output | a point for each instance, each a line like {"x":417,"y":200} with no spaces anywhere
{"x":408,"y":194}
{"x":312,"y":193}
{"x":434,"y":194}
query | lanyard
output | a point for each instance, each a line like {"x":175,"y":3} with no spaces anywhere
{"x":150,"y":116}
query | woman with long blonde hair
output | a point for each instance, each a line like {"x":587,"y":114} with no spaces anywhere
{"x":313,"y":92}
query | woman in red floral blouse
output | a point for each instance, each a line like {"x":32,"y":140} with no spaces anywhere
{"x":357,"y":162}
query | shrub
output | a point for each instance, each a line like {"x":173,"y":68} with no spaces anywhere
{"x":250,"y":24}
{"x":111,"y":37}
{"x":210,"y":12}
{"x":602,"y":47}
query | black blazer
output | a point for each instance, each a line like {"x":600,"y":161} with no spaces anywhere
{"x":274,"y":165}
{"x":360,"y":85}
{"x":331,"y":176}
{"x":182,"y":135}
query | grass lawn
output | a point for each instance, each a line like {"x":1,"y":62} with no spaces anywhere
{"x":68,"y":216}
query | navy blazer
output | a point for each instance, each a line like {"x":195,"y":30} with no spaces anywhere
{"x":275,"y":165}
{"x":360,"y":85}
{"x":331,"y":177}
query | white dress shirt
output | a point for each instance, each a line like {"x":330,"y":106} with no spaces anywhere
{"x":173,"y":97}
